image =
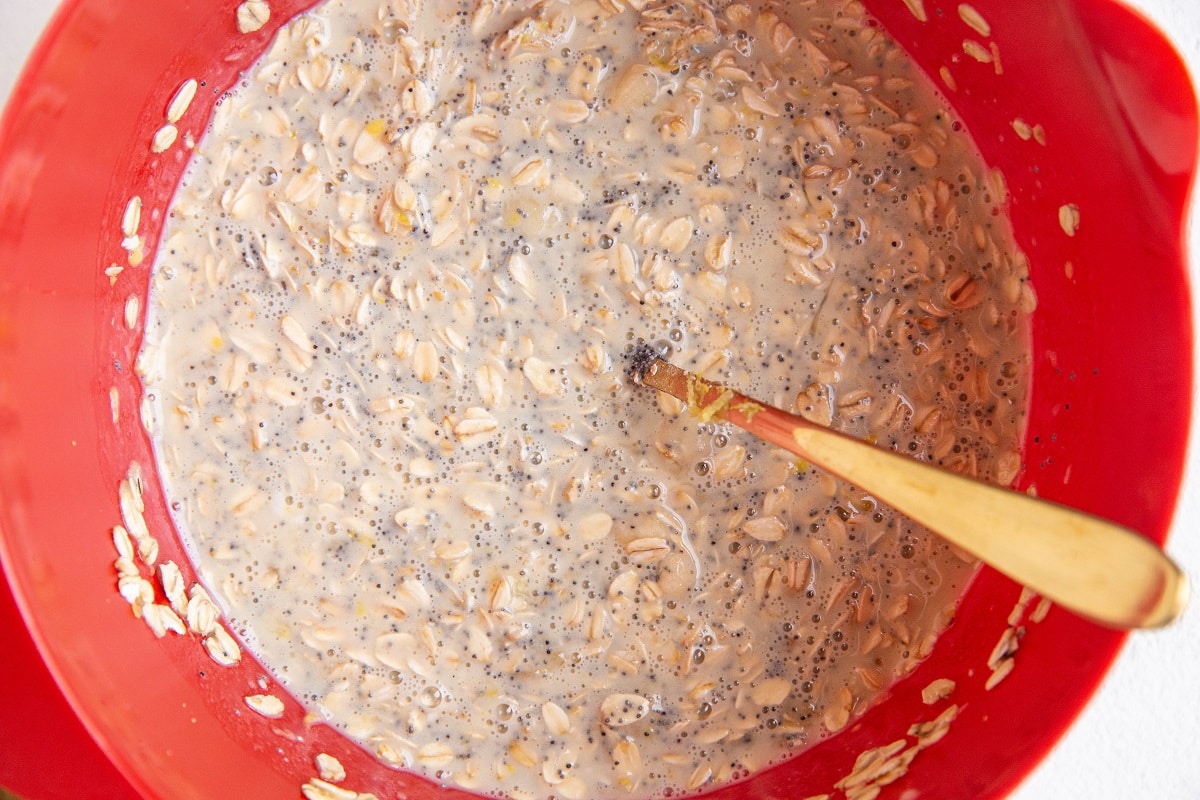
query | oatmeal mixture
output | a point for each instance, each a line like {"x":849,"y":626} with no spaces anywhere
{"x":386,"y":347}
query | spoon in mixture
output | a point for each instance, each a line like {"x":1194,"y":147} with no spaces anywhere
{"x":1095,"y":568}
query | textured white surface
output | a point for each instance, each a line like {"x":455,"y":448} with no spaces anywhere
{"x":1140,"y":737}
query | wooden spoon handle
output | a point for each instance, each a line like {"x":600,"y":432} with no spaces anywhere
{"x":1091,"y":566}
{"x":1095,"y":568}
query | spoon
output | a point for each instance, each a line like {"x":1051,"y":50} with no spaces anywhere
{"x":1099,"y":570}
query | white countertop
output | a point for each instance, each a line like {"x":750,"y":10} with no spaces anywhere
{"x":1140,"y":737}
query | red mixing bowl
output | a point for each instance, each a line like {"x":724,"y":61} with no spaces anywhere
{"x":1107,"y":427}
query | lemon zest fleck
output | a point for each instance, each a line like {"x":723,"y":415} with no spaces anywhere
{"x":697,"y":390}
{"x":799,"y":466}
{"x":748,"y":408}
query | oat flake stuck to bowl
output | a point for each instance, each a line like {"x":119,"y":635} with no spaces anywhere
{"x":384,"y":346}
